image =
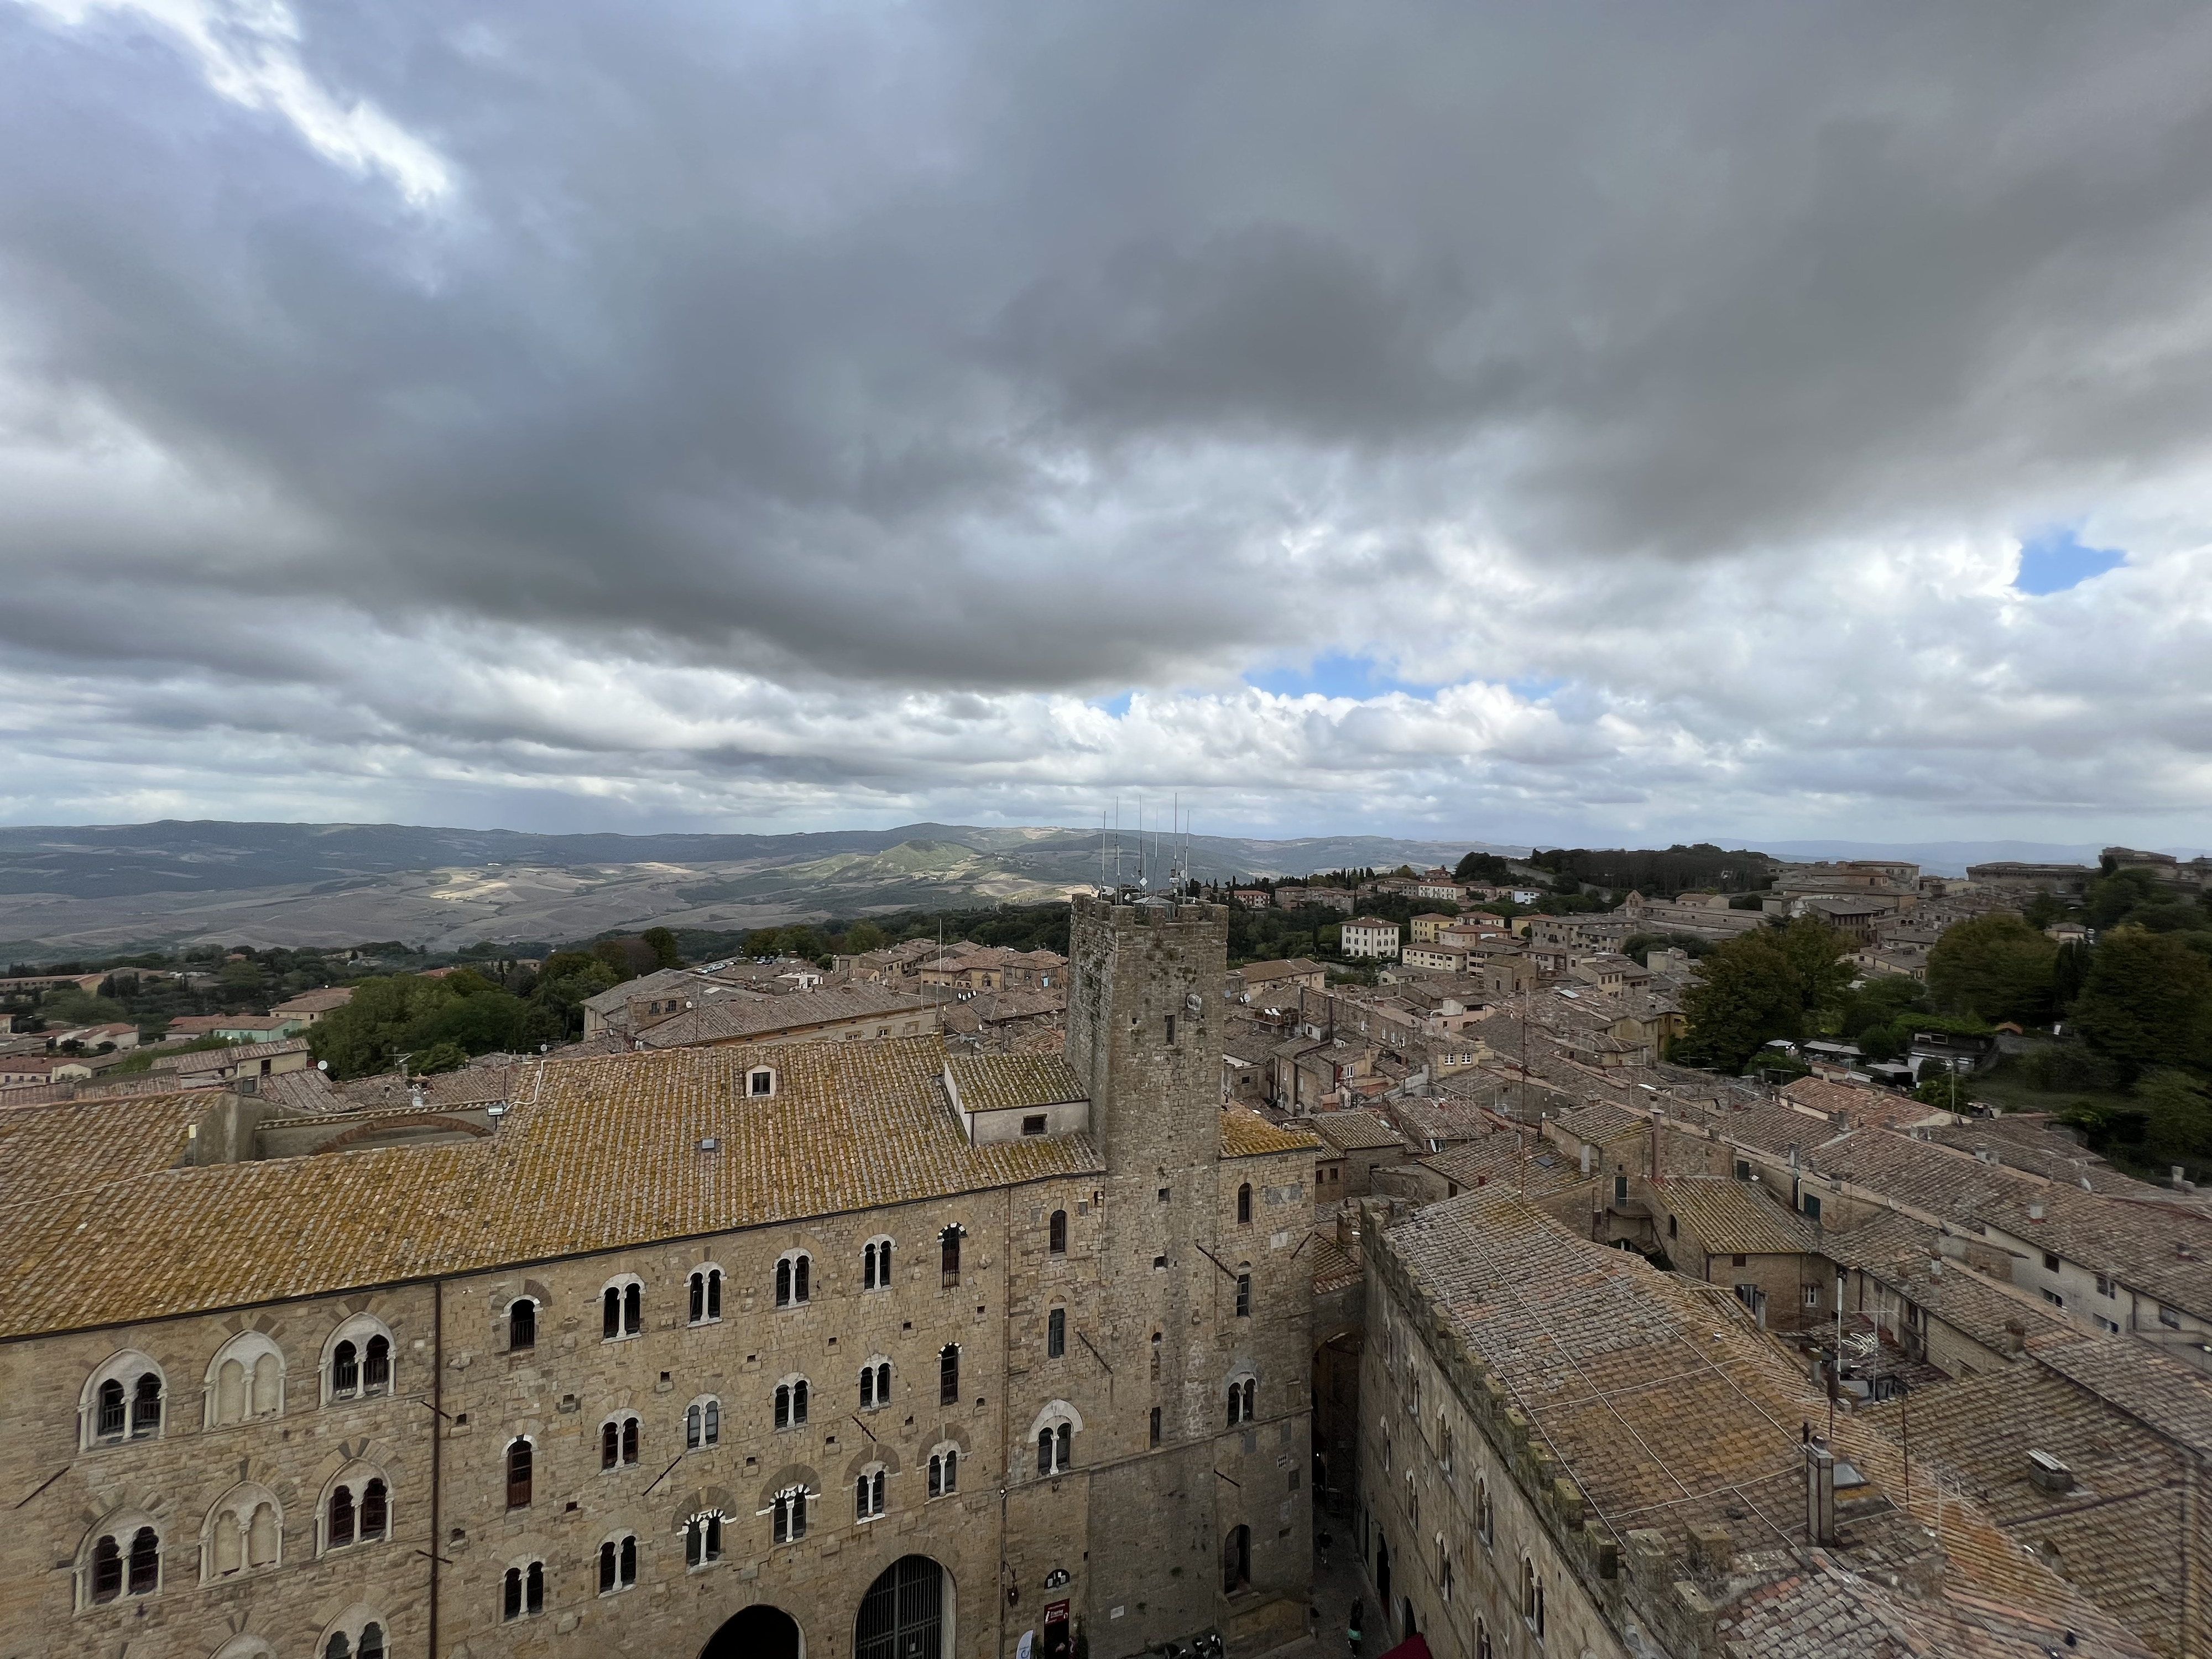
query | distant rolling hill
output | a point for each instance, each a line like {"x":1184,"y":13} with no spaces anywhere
{"x":108,"y":887}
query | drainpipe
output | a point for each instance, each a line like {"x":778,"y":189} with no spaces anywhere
{"x":437,"y":1439}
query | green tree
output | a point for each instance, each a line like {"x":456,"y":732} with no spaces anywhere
{"x":662,"y":943}
{"x":2147,"y":1001}
{"x":1748,"y":995}
{"x":2070,"y":972}
{"x":1996,"y":967}
{"x":557,"y":1000}
{"x":862,"y":936}
{"x":1486,"y":868}
{"x":2177,"y":1116}
{"x":1816,"y":952}
{"x":363,"y":1038}
{"x":439,"y":1057}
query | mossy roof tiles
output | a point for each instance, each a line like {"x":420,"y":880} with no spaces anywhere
{"x":593,"y":1154}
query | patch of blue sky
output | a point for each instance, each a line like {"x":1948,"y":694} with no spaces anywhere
{"x":1334,"y":674}
{"x":2054,"y":560}
{"x":1116,"y":706}
{"x":1535,"y":689}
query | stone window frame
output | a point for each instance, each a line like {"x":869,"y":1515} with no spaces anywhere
{"x":876,"y":1257}
{"x":621,"y":1287}
{"x":1056,"y":1233}
{"x":944,"y":1456}
{"x":1063,"y":1422}
{"x":793,"y":1280}
{"x":1531,"y":1595}
{"x":1244,"y":1204}
{"x":519,"y":1569}
{"x":351,"y":1626}
{"x":1243,"y":1395}
{"x":619,"y":1421}
{"x":123,"y":1526}
{"x":872,"y":1479}
{"x":354,"y":1477}
{"x":707,"y":1283}
{"x":239,"y":1502}
{"x":506,"y":1465}
{"x":616,"y":1540}
{"x":875,"y":1383}
{"x":360,"y":1329}
{"x":1444,"y":1570}
{"x":536,"y":1306}
{"x":703,"y":1423}
{"x":248,"y":1349}
{"x":706,"y":1526}
{"x":787,"y":1511}
{"x":793,"y":1399}
{"x":127,"y":1367}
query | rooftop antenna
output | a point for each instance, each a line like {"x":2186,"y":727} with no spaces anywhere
{"x":1141,"y":882}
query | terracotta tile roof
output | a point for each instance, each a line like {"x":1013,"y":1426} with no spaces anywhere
{"x":852,"y":1126}
{"x":1859,"y":1108}
{"x":1354,"y":1132}
{"x":1335,"y":1268}
{"x":1535,"y":1168}
{"x":1729,"y":1219}
{"x":1993,"y":1315}
{"x":734,"y":1017}
{"x":2168,"y":1395}
{"x":996,"y":1083}
{"x":2118,"y":1533}
{"x":1667,"y":1410}
{"x":1245,"y":1133}
{"x":1439,"y":1120}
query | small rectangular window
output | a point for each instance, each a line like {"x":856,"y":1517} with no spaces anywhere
{"x":2054,"y":1299}
{"x":1055,"y":1333}
{"x":1811,"y":1296}
{"x":1812,"y":1207}
{"x":1244,"y":1296}
{"x":1171,"y":1030}
{"x":2049,"y":1263}
{"x":1033,"y":1124}
{"x":1742,"y":1169}
{"x":2170,"y":1320}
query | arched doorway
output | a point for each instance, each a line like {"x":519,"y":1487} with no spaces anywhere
{"x":762,"y":1632}
{"x":907,"y":1613}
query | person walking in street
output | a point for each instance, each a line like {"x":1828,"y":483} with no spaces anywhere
{"x":1352,"y":1630}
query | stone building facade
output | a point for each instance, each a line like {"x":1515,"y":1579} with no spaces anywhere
{"x":720,"y":1352}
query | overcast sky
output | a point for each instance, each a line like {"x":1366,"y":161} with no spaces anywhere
{"x":1559,"y":422}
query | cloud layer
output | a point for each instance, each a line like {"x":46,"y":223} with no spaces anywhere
{"x":759,"y":417}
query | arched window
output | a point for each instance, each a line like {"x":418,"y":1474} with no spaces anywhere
{"x":1241,"y":1391}
{"x":702,"y":1540}
{"x":519,"y":1457}
{"x":1056,"y":1236}
{"x":244,"y":1530}
{"x":1236,"y":1560}
{"x":1244,"y":1204}
{"x":357,"y":1359}
{"x":794,"y":1272}
{"x":522,"y":1593}
{"x":618,"y":1438}
{"x":122,"y":1400}
{"x":1155,"y":1426}
{"x":791,"y":1402}
{"x":1443,"y":1445}
{"x":1531,"y":1596}
{"x":876,"y":1384}
{"x":359,"y":1633}
{"x":948,"y":1257}
{"x":868,"y":1493}
{"x":1482,"y":1648}
{"x":245,"y":1380}
{"x":355,"y":1509}
{"x":1484,"y":1528}
{"x":876,"y":1265}
{"x":1156,"y":1356}
{"x":706,"y":1304}
{"x":948,"y":1375}
{"x":1055,"y":1333}
{"x":1053,"y":1431}
{"x":622,"y":1308}
{"x":1244,"y":1296}
{"x":944,"y":1471}
{"x":1444,"y":1569}
{"x":703,"y":1423}
{"x":124,"y":1559}
{"x":617,"y":1564}
{"x":521,"y":1324}
{"x":788,"y":1507}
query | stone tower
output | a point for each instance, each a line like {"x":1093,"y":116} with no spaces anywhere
{"x":1143,"y":1031}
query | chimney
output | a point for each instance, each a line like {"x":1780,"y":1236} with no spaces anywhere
{"x":1819,"y":1493}
{"x":2035,"y":1212}
{"x":2048,"y":1473}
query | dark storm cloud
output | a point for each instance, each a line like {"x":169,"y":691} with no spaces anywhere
{"x":887,"y":353}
